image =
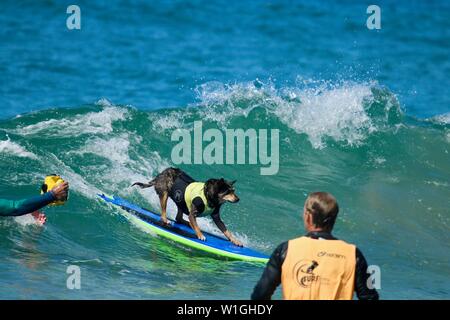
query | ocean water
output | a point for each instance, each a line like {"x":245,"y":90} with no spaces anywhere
{"x":363,"y":114}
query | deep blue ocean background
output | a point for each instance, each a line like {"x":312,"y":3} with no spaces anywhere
{"x":364,"y":114}
{"x":152,"y":54}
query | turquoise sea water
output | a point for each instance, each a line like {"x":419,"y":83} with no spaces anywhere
{"x":362,"y":114}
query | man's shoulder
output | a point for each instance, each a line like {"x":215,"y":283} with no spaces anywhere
{"x":281,"y":250}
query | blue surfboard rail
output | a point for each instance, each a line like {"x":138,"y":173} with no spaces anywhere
{"x":220,"y":245}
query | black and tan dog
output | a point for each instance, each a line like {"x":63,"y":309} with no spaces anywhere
{"x":195,"y":199}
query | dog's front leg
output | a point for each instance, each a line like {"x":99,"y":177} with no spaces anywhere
{"x":193,"y":223}
{"x":232,"y":238}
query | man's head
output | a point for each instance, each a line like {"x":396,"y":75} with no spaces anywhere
{"x":320,"y":212}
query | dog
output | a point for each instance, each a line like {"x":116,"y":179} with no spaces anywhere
{"x":193,"y":198}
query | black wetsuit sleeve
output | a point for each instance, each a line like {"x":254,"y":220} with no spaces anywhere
{"x":363,"y":292}
{"x":271,"y":277}
{"x":216,"y":218}
{"x":22,"y":207}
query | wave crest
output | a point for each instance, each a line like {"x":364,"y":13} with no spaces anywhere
{"x":346,"y":112}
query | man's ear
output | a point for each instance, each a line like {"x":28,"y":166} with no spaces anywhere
{"x":307,"y":217}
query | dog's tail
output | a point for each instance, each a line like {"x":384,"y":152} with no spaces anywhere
{"x":144,"y":185}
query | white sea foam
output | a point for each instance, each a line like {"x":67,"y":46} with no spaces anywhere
{"x":438,"y":183}
{"x":11,"y":148}
{"x":442,"y":118}
{"x":337,"y":113}
{"x":123,"y":170}
{"x":115,"y":149}
{"x":379,"y":160}
{"x":92,"y":122}
{"x":320,"y":110}
{"x":172,"y":120}
{"x":76,"y":181}
{"x":26,"y":220}
{"x":334,"y":111}
{"x":214,"y":94}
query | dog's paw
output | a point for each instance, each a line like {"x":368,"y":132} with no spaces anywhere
{"x":165,"y":221}
{"x":201,"y":237}
{"x":238,"y":243}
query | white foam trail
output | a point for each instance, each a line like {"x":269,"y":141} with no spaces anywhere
{"x":92,"y":122}
{"x":26,"y":220}
{"x":379,"y":160}
{"x":11,"y":148}
{"x":123,"y":171}
{"x":438,"y":183}
{"x":115,"y":149}
{"x":172,"y":120}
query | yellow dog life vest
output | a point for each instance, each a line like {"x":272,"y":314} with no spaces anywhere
{"x":318,"y":269}
{"x":194,"y":190}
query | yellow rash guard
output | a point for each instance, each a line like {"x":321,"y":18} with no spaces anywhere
{"x":194,"y":190}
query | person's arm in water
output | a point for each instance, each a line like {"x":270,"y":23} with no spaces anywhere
{"x":363,"y":292}
{"x":19,"y":208}
{"x":271,"y":277}
{"x":22,"y":207}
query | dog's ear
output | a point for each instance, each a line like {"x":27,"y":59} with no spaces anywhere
{"x":232,"y":182}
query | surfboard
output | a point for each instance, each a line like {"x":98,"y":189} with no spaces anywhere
{"x":183,"y":234}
